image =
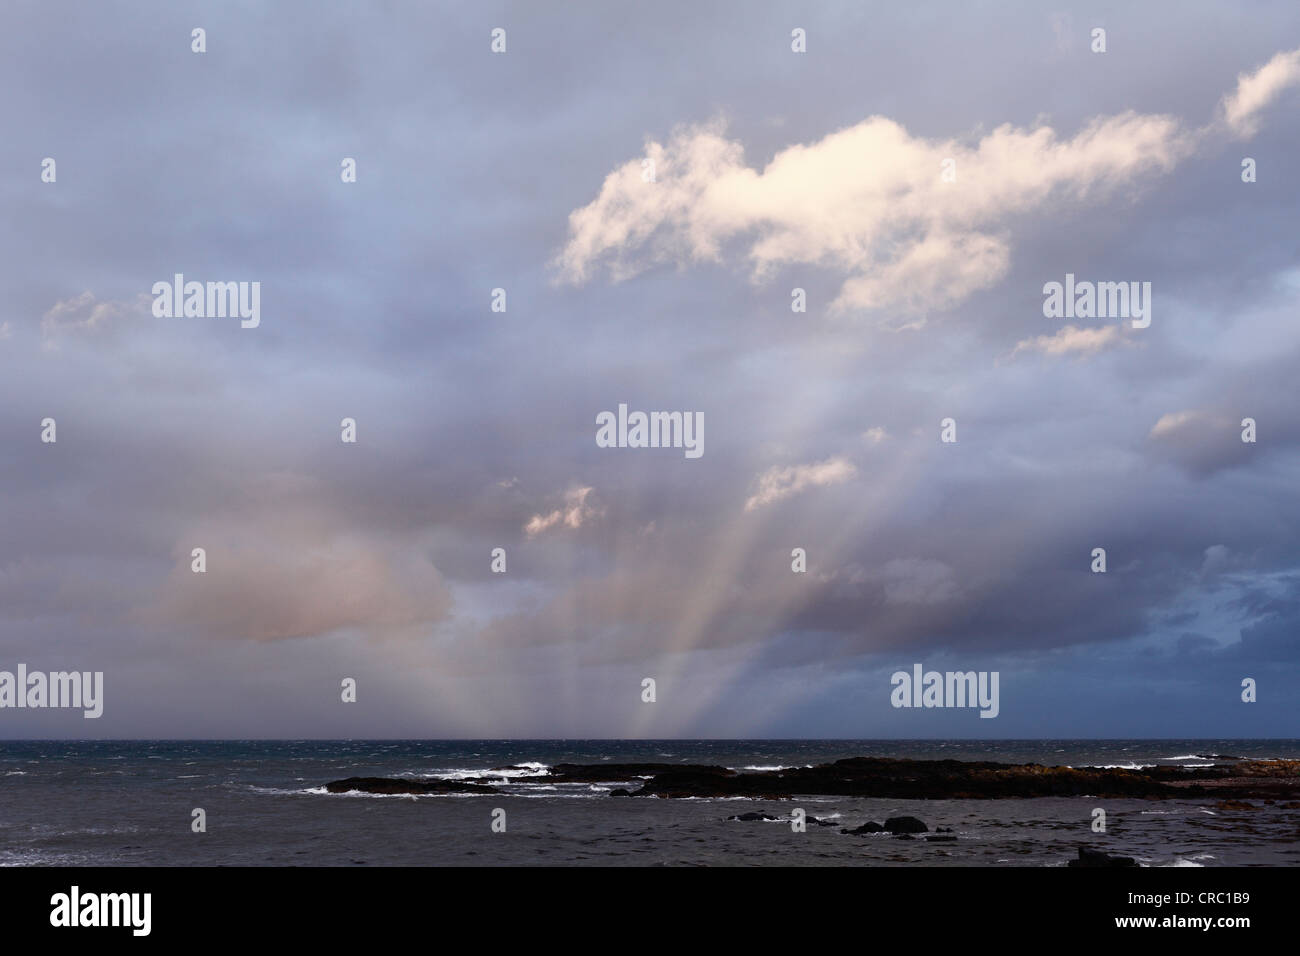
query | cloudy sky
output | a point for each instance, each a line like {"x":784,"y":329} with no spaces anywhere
{"x":773,"y":170}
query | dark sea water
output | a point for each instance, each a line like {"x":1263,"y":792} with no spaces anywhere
{"x":130,"y":803}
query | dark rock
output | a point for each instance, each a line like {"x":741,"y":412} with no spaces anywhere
{"x":620,"y":792}
{"x":597,"y":772}
{"x":754,"y":815}
{"x":869,"y":827}
{"x":943,"y":779}
{"x":898,"y":780}
{"x":904,"y":836}
{"x":396,"y":785}
{"x":1089,"y":857}
{"x":915,"y":779}
{"x":1234,"y":805}
{"x":905,"y":825}
{"x":694,"y":781}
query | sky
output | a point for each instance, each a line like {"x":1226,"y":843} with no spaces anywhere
{"x":529,"y":171}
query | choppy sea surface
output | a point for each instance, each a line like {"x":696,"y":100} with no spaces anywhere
{"x":131,"y":803}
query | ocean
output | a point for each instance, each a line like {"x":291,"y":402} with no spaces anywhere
{"x":129,"y":803}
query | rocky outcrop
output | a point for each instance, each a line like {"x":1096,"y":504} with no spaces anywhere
{"x":905,"y":825}
{"x":869,"y":827}
{"x":402,"y":785}
{"x":896,"y":779}
{"x":601,"y":772}
{"x":895,"y":825}
{"x":958,"y":779}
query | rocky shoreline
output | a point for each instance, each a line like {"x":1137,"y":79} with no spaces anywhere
{"x":391,"y":786}
{"x":1273,"y":780}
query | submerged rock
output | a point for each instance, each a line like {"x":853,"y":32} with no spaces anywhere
{"x":1089,"y":857}
{"x":768,"y":818}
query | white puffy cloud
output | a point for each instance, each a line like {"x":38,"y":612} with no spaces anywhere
{"x":1191,"y":421}
{"x":1257,"y":90}
{"x":574,"y":514}
{"x":870,"y":201}
{"x":85,"y":313}
{"x":782,"y":482}
{"x":1072,"y":339}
